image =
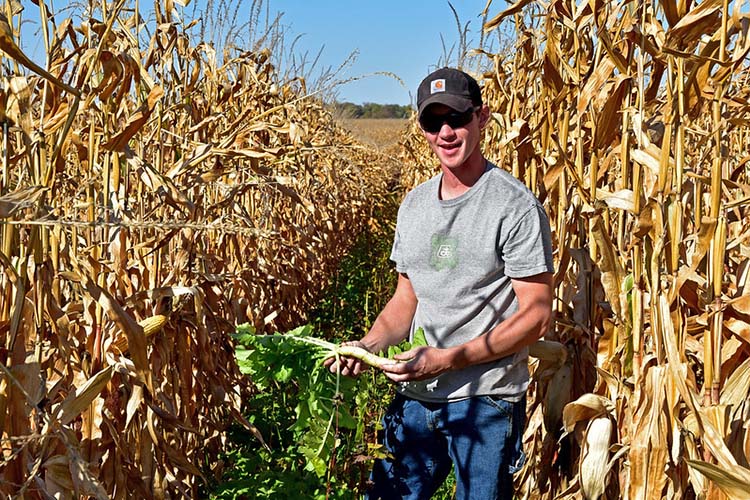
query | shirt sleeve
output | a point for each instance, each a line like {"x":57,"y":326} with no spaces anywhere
{"x":527,"y":249}
{"x":398,"y":251}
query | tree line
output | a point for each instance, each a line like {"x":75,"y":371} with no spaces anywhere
{"x":371,"y":110}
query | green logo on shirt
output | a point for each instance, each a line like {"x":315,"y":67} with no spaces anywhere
{"x":444,"y":252}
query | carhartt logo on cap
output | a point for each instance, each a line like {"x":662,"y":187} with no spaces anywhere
{"x":437,"y":86}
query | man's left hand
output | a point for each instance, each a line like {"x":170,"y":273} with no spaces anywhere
{"x":419,"y":363}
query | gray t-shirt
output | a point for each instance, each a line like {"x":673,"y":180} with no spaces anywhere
{"x":460,"y":255}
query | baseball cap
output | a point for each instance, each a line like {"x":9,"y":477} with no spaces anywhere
{"x":451,"y":87}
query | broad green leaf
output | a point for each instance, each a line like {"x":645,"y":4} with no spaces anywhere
{"x":419,"y":339}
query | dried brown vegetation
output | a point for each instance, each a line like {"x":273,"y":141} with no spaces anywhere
{"x":140,"y":183}
{"x":630,"y":122}
{"x":380,"y":133}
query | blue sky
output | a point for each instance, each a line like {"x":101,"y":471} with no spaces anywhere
{"x":397,"y":36}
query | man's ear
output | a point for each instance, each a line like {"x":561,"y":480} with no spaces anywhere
{"x":484,"y":115}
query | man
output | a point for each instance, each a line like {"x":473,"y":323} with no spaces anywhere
{"x":473,"y":253}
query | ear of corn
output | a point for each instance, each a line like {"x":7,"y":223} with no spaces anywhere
{"x":556,"y":399}
{"x":547,"y":350}
{"x":151,"y":326}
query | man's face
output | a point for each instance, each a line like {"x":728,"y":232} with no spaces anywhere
{"x":453,"y":137}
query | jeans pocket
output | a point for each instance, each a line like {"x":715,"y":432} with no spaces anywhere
{"x":515,"y":414}
{"x":501,"y":405}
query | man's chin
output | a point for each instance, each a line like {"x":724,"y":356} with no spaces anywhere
{"x":452,"y":160}
{"x":452,"y":164}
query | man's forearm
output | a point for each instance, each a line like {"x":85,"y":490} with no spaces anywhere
{"x":520,"y":330}
{"x":509,"y":337}
{"x":391,"y":326}
{"x":394,"y":321}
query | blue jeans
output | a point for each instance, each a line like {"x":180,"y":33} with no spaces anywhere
{"x":480,"y":436}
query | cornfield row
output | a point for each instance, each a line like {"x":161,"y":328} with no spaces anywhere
{"x":151,"y":199}
{"x":158,"y":182}
{"x":630,"y":122}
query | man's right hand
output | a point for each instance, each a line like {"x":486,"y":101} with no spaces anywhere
{"x":350,"y":367}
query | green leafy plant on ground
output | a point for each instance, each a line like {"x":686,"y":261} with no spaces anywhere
{"x":320,"y":431}
{"x":330,"y":411}
{"x":310,"y":418}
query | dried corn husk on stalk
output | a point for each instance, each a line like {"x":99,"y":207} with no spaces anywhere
{"x":594,"y":465}
{"x":590,"y":418}
{"x":558,"y":395}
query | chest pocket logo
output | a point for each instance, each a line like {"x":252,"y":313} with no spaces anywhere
{"x":444,"y":252}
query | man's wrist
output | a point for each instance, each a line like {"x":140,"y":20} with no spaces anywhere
{"x":457,"y":357}
{"x":375,"y":342}
{"x":370,"y":345}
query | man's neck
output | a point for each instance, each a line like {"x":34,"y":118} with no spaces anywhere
{"x":457,"y":181}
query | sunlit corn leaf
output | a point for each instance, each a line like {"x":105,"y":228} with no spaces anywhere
{"x":513,"y":9}
{"x":737,"y":387}
{"x":80,"y":399}
{"x":703,"y":19}
{"x":133,"y":331}
{"x":13,"y":202}
{"x":136,"y":121}
{"x":727,"y":479}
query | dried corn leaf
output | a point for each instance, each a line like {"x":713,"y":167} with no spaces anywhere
{"x":703,"y":19}
{"x":57,"y":476}
{"x":158,"y":182}
{"x":595,"y":85}
{"x":740,"y":328}
{"x":81,"y":398}
{"x":135,"y":122}
{"x":612,"y":273}
{"x":11,"y":49}
{"x":18,"y":105}
{"x":608,"y":120}
{"x":622,"y":199}
{"x":513,"y":9}
{"x":715,"y":443}
{"x":15,"y":201}
{"x":84,"y":482}
{"x":29,"y":377}
{"x":730,"y":480}
{"x":585,"y":408}
{"x":133,"y":331}
{"x":740,"y":304}
{"x":91,"y":422}
{"x":134,"y":403}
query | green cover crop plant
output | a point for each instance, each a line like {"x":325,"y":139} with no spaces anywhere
{"x":319,"y":419}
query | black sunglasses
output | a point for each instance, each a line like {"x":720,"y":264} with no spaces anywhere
{"x":433,"y":123}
